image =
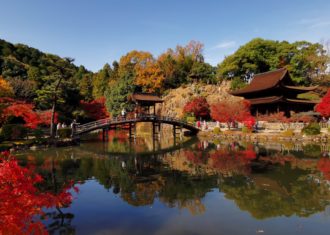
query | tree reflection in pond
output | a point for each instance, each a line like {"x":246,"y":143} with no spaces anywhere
{"x":264,"y":183}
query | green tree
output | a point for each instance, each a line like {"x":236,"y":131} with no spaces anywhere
{"x":56,"y":87}
{"x":101,"y":80}
{"x":304,"y":60}
{"x":204,"y":72}
{"x":86,"y":87}
{"x":118,"y":94}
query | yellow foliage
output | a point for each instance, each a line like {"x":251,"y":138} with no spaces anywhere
{"x":5,"y":89}
{"x":146,"y":69}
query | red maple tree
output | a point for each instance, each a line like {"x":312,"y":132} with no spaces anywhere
{"x":230,"y":112}
{"x":324,"y":106}
{"x":95,"y":109}
{"x":199,"y":107}
{"x":21,"y":201}
{"x":11,"y":107}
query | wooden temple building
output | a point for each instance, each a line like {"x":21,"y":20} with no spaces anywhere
{"x":274,"y":91}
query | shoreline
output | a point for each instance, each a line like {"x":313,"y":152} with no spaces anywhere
{"x":262,"y":136}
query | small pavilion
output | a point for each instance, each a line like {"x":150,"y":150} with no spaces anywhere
{"x":274,"y":91}
{"x":145,"y":101}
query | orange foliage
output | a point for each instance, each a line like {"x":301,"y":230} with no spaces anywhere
{"x":146,"y":69}
{"x":5,"y":89}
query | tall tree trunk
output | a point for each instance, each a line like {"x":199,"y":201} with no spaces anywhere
{"x":52,"y":120}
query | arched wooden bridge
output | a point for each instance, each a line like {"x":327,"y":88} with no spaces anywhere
{"x":130,"y":124}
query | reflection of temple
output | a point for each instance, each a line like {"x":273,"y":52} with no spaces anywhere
{"x":274,"y":91}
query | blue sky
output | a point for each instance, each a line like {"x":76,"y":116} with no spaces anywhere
{"x":98,"y":31}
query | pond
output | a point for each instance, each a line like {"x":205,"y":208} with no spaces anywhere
{"x":187,"y":187}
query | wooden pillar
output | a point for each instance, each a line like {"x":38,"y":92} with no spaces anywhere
{"x":181,"y":133}
{"x":153,"y":130}
{"x":130,"y":130}
{"x":106,"y":134}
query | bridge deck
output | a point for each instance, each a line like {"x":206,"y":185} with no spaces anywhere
{"x":114,"y":122}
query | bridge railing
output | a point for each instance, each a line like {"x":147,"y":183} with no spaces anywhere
{"x":90,"y":125}
{"x":118,"y":120}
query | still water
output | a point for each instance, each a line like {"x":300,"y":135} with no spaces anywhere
{"x":189,"y":187}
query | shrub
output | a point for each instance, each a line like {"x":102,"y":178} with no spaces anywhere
{"x":216,"y":130}
{"x":288,"y":133}
{"x":64,"y":133}
{"x":38,"y":133}
{"x":14,"y":131}
{"x":199,"y":107}
{"x":312,"y":150}
{"x":273,"y":117}
{"x":245,"y":129}
{"x":312,"y":129}
{"x":190,"y":119}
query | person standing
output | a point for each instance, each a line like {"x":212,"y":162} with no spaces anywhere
{"x":58,"y":126}
{"x":123,"y":113}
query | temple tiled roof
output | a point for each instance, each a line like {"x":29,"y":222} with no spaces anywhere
{"x":275,"y":99}
{"x":265,"y":100}
{"x":263,"y":81}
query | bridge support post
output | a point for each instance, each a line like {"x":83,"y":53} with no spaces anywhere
{"x":132,"y":131}
{"x":156,"y":130}
{"x":105,"y":134}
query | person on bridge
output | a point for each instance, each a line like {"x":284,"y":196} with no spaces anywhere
{"x":73,"y":126}
{"x":123,"y":113}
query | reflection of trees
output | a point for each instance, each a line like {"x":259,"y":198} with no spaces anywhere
{"x":182,"y":178}
{"x":299,"y":196}
{"x":183,"y":191}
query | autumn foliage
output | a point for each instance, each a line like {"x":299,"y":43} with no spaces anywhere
{"x":324,"y":106}
{"x":233,"y":111}
{"x":15,"y":108}
{"x":199,"y":107}
{"x":5,"y":89}
{"x":324,"y":166}
{"x":95,"y":109}
{"x":21,"y":201}
{"x":146,"y":69}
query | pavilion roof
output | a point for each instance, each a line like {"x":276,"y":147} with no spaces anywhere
{"x":275,"y":99}
{"x":265,"y":100}
{"x":263,"y":81}
{"x":146,"y":97}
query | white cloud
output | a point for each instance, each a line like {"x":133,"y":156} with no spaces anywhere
{"x":314,"y":22}
{"x":320,"y":24}
{"x":225,"y":45}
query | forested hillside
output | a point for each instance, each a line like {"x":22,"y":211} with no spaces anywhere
{"x":32,"y":76}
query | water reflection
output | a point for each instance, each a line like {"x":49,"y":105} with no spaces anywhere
{"x":264,"y":182}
